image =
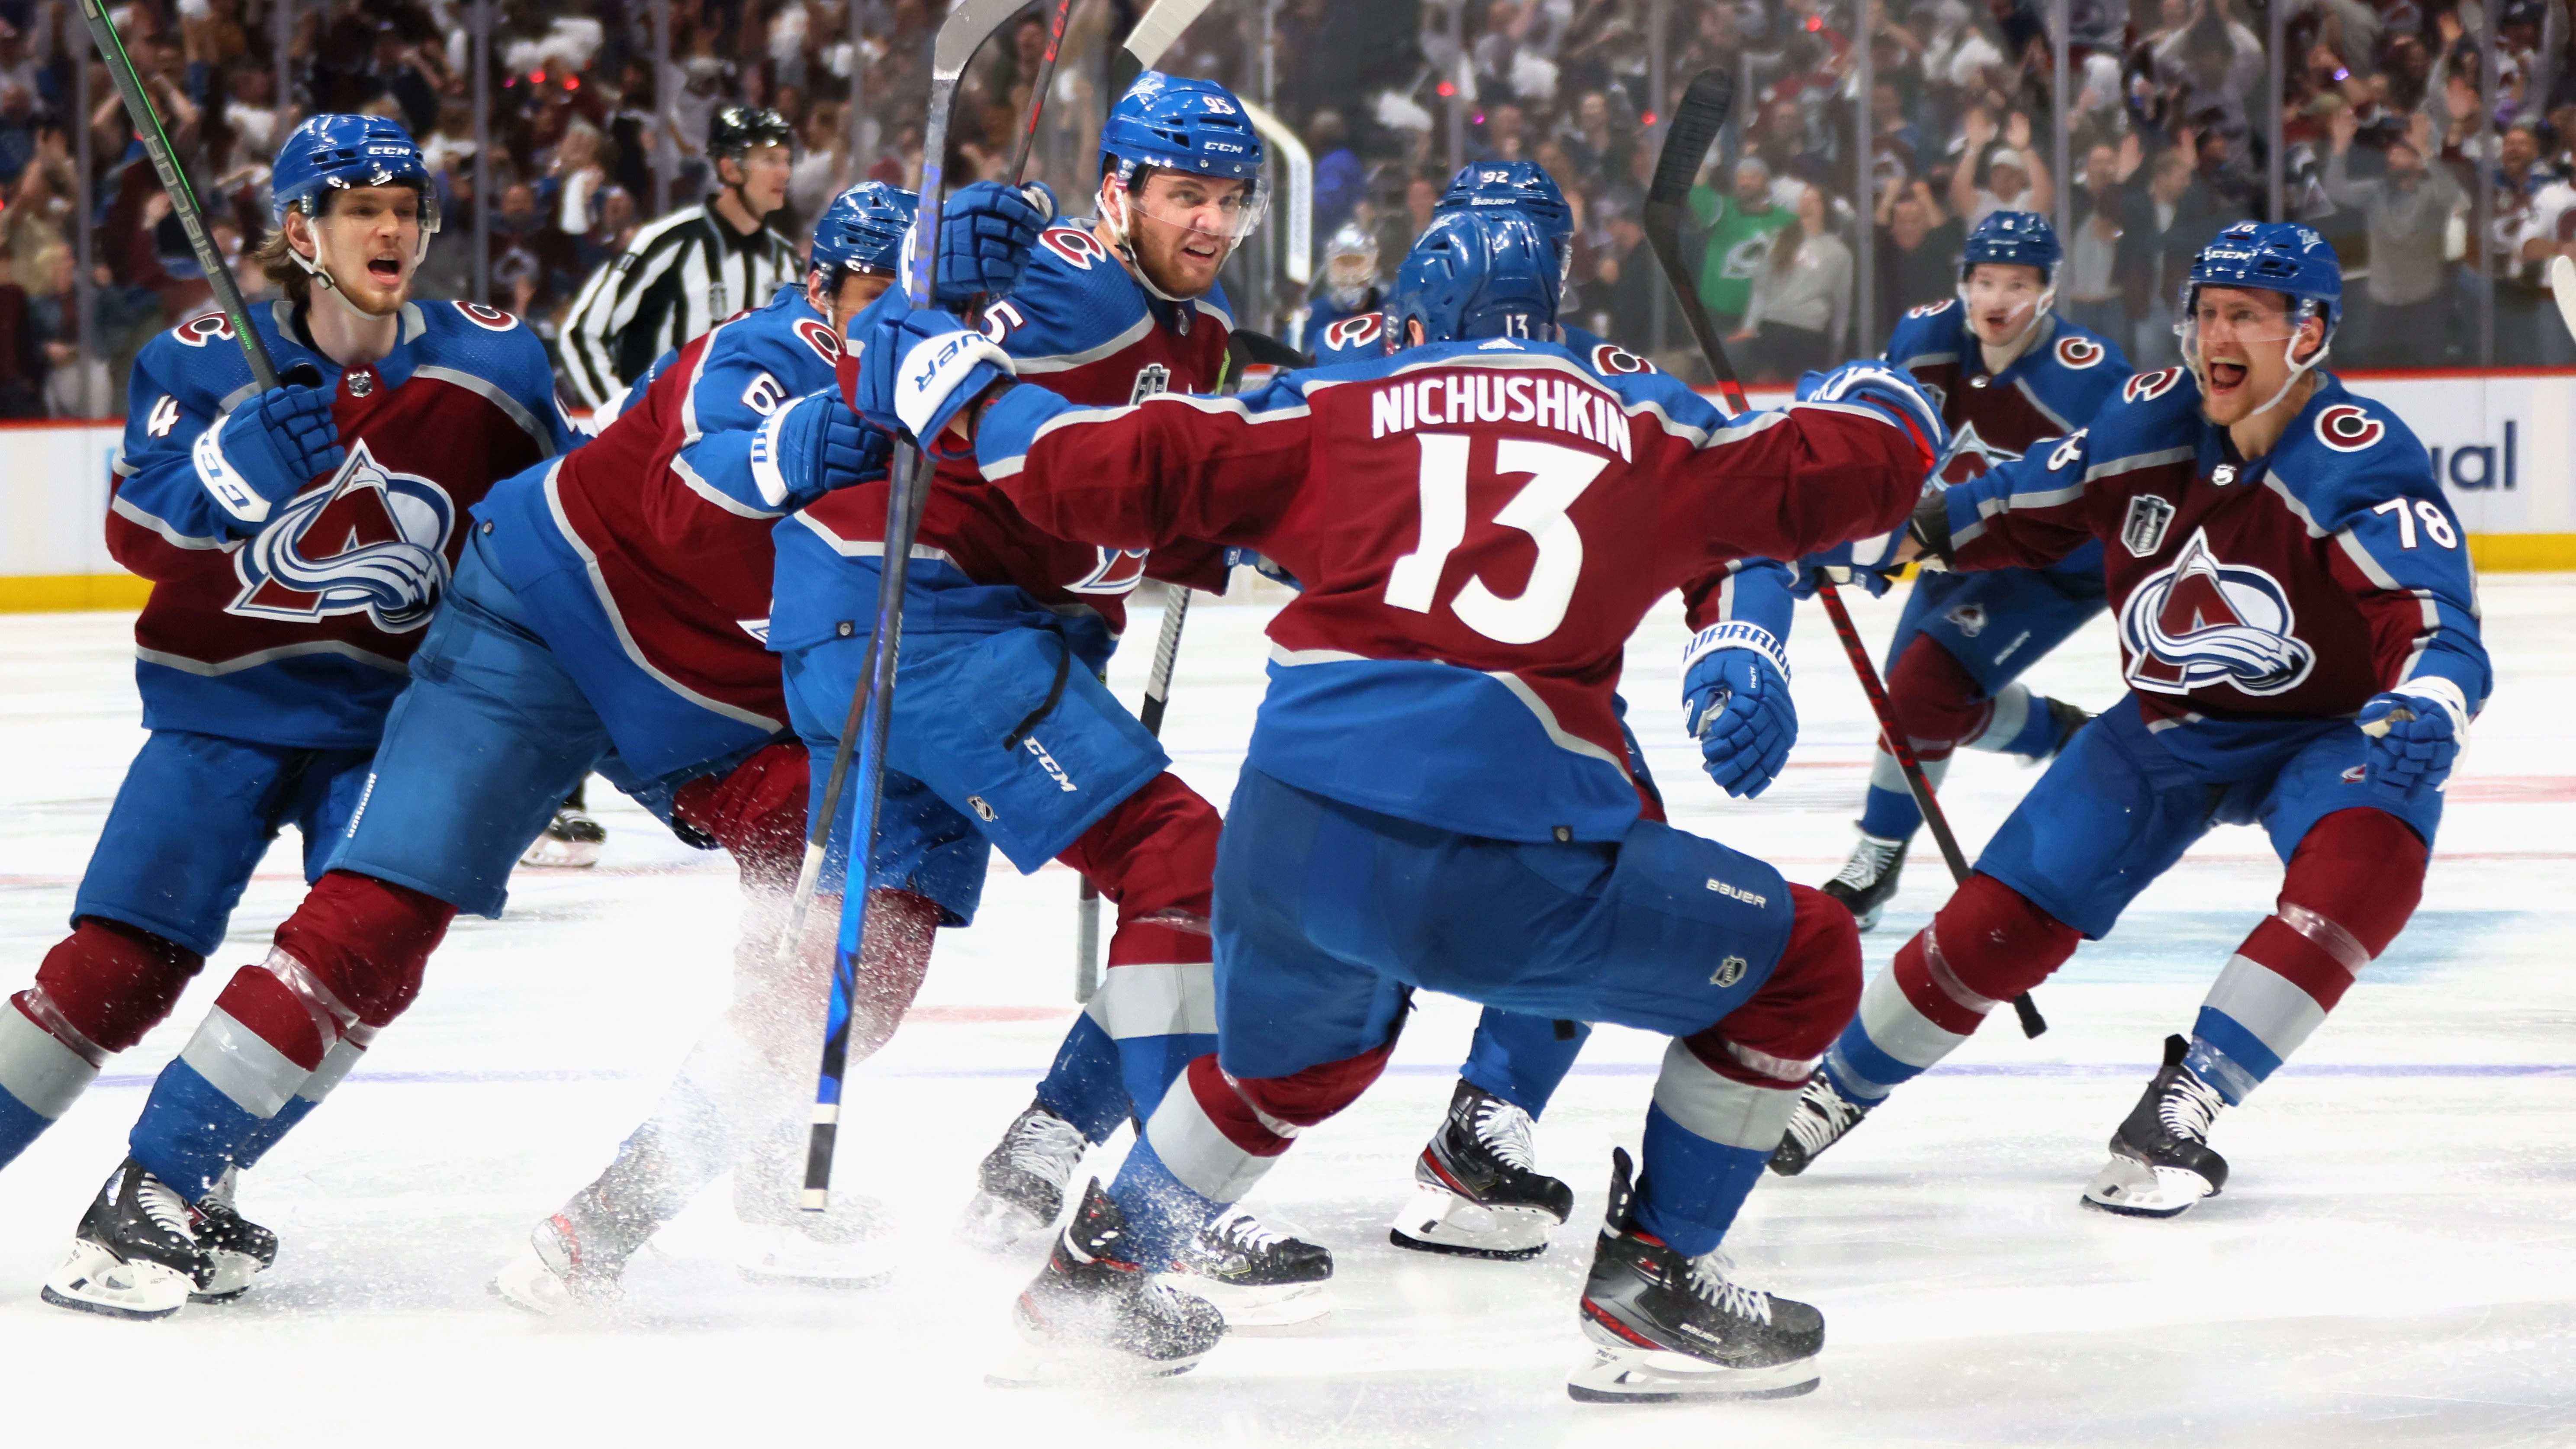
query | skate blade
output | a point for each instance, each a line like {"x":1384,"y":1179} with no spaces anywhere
{"x":94,"y":1280}
{"x":2134,"y":1189}
{"x":1287,"y":1305}
{"x":821,"y":1268}
{"x":997,"y":1225}
{"x":1639,"y":1376}
{"x":527,"y":1284}
{"x":552,"y":854}
{"x":1440,"y":1221}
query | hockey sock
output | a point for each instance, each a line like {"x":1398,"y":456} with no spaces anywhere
{"x":1163,"y":1213}
{"x":1084,"y":1085}
{"x":1154,"y":856}
{"x":334,"y":1069}
{"x":1888,"y":811}
{"x":45,"y":1064}
{"x":1521,"y":1059}
{"x":1986,"y":946}
{"x":1693,"y":1185}
{"x":2351,"y":885}
{"x":2022,"y":726}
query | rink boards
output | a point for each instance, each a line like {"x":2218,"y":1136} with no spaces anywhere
{"x":2500,"y":444}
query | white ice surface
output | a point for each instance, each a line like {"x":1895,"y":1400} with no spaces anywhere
{"x":2394,"y":1261}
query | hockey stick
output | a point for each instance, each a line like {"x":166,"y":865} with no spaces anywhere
{"x":1696,"y":122}
{"x":968,"y":26}
{"x":2562,"y":285}
{"x":183,"y":199}
{"x":1161,"y":26}
{"x":1037,"y":92}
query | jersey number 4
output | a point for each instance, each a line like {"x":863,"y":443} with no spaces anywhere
{"x":1558,"y":475}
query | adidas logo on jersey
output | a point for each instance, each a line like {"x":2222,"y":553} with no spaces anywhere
{"x":1480,"y":396}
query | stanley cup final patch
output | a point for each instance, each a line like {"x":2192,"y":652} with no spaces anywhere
{"x":2144,"y":532}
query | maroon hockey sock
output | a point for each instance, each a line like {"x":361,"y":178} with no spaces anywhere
{"x":113,"y":982}
{"x":1779,"y":1034}
{"x":1937,"y":704}
{"x":1154,"y":854}
{"x":366,"y":940}
{"x":2350,"y":888}
{"x":756,"y":811}
{"x":1990,"y":943}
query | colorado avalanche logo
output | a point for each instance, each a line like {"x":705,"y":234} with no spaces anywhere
{"x":825,"y":342}
{"x":1120,"y":570}
{"x":2080,"y":352}
{"x":1075,"y":245}
{"x":2199,"y":622}
{"x":198,"y":332}
{"x":1971,"y":457}
{"x":2148,"y":386}
{"x":373,"y":542}
{"x":1616,"y":361}
{"x":1361,"y":330}
{"x":1929,"y":309}
{"x":2348,"y":429}
{"x":490,"y":319}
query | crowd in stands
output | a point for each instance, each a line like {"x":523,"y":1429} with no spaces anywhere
{"x":2429,"y":177}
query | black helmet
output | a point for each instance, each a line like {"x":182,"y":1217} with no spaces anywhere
{"x":734,"y":130}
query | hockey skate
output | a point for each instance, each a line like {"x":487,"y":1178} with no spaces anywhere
{"x":1020,"y":1187}
{"x":237,"y":1249}
{"x":2160,"y":1159}
{"x":1477,"y":1188}
{"x":1090,"y":1311}
{"x":136,"y":1253}
{"x":1667,"y":1327}
{"x":1822,"y":1118}
{"x":847,"y":1247}
{"x":577,"y":1258}
{"x":1868,"y":879}
{"x":1257,"y":1276}
{"x":571,"y":841}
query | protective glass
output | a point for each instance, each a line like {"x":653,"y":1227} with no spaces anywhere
{"x":1228,"y":209}
{"x":2249,"y":322}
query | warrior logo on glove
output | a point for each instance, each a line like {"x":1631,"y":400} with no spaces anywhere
{"x":2201,"y":622}
{"x":371,"y":541}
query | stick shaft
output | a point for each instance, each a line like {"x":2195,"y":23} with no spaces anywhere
{"x":1158,"y":693}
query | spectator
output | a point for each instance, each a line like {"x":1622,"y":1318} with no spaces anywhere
{"x":578,"y":172}
{"x":1340,"y":179}
{"x":73,"y":389}
{"x":2408,"y":211}
{"x":528,"y":243}
{"x":1801,"y":297}
{"x":22,"y":351}
{"x":2016,"y":179}
{"x":1739,"y":230}
{"x":2088,"y":285}
{"x":1918,"y":252}
{"x":1627,"y":272}
{"x":2160,"y":229}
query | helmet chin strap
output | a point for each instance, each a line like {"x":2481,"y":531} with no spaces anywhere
{"x":2289,"y":347}
{"x":321,"y":274}
{"x":1124,"y":241}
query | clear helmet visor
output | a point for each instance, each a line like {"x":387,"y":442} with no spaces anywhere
{"x":2232,"y":325}
{"x":1228,"y":209}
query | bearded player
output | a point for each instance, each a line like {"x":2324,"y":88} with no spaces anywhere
{"x":2299,"y":635}
{"x":2009,"y":372}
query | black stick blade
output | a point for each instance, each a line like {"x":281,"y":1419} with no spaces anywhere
{"x":1696,"y":122}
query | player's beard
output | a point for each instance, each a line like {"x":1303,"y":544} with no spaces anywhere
{"x":357,"y":301}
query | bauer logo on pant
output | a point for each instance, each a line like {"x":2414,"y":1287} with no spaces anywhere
{"x":372,"y":542}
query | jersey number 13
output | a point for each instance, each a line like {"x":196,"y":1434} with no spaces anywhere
{"x":1558,"y":475}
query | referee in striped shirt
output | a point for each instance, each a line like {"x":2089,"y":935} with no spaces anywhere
{"x":689,"y":270}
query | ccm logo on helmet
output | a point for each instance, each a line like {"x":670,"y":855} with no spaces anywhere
{"x":2080,"y":352}
{"x":2148,"y":386}
{"x":1354,"y":331}
{"x":2347,"y":429}
{"x":1606,"y":358}
{"x":491,"y":319}
{"x":1074,"y":245}
{"x":213,"y":327}
{"x":825,"y":342}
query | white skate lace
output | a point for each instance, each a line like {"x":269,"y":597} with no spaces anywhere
{"x":1504,"y":1130}
{"x":1048,"y":1146}
{"x":1709,"y":1281}
{"x":168,"y":1211}
{"x":1245,"y":1233}
{"x":2189,"y":1105}
{"x":1823,"y":1116}
{"x":1869,"y":860}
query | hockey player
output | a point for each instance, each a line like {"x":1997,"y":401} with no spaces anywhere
{"x":1348,"y":287}
{"x":2299,"y":633}
{"x":592,"y":623}
{"x":2009,"y":372}
{"x":298,"y":541}
{"x":1436,"y":795}
{"x":1018,"y":623}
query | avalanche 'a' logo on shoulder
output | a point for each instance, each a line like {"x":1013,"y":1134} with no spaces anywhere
{"x":2079,"y":353}
{"x":2148,"y":386}
{"x":1360,"y":330}
{"x":2199,"y":622}
{"x":2348,"y":429}
{"x":490,"y":319}
{"x":1931,"y":309}
{"x":372,"y":541}
{"x":1075,"y":245}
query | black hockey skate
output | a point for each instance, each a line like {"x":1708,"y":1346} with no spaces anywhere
{"x":571,"y":841}
{"x":2160,"y":1159}
{"x":137,"y":1251}
{"x":1477,"y":1188}
{"x":1256,"y":1276}
{"x":236,"y":1248}
{"x":1869,"y":878}
{"x":1668,"y":1327}
{"x":1093,"y":1304}
{"x":1822,"y":1117}
{"x":2064,"y":720}
{"x":1019,"y":1190}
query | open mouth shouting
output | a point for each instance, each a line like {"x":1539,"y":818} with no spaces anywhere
{"x":2226,"y":377}
{"x":386,"y":271}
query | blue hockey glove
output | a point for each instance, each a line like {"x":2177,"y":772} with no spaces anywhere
{"x":913,"y":371}
{"x":1889,"y":391}
{"x":267,"y":450}
{"x":985,"y":232}
{"x":1735,"y":695}
{"x":812,"y":446}
{"x":2415,"y":736}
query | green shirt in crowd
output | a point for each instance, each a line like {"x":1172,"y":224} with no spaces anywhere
{"x":1738,"y":240}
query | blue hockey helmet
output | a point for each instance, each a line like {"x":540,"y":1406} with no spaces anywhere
{"x":339,"y":152}
{"x":2272,"y":256}
{"x":1476,"y":274}
{"x":1194,"y":126}
{"x":2016,"y":239}
{"x":866,"y":230}
{"x":1522,"y":186}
